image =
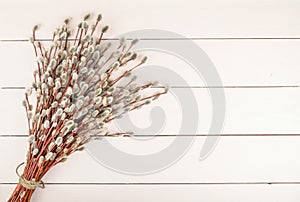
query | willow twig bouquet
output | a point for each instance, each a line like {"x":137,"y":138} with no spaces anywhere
{"x":79,"y":87}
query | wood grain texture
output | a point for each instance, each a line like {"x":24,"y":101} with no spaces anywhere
{"x":257,"y":63}
{"x":174,"y":193}
{"x":254,"y":45}
{"x":191,"y":18}
{"x":234,"y":160}
{"x":248,"y":111}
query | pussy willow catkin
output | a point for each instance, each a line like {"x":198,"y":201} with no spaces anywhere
{"x":81,"y":84}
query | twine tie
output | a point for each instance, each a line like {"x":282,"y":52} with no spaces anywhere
{"x":29,"y":184}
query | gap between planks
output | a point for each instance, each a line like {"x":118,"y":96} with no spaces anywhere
{"x":174,"y":39}
{"x":163,"y":183}
{"x":180,"y":135}
{"x":184,"y":87}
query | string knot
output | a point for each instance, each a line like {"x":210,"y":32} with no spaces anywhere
{"x":29,"y":184}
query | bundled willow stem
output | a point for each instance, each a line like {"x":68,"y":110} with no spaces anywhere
{"x":79,"y":87}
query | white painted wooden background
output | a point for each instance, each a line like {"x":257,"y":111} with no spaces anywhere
{"x":255,"y":46}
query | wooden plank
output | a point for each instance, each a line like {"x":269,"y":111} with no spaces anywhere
{"x":234,"y":160}
{"x":192,"y":19}
{"x":238,"y":63}
{"x":248,"y":111}
{"x":175,"y":193}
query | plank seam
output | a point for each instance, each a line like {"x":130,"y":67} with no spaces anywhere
{"x":185,"y":87}
{"x":162,"y":183}
{"x":181,"y":135}
{"x":174,"y":39}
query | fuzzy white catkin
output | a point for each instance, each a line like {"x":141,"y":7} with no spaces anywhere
{"x":43,"y":113}
{"x":53,"y":118}
{"x":96,"y":78}
{"x":72,"y":107}
{"x":74,"y":76}
{"x":29,"y":91}
{"x":58,"y":141}
{"x":105,"y":113}
{"x":31,"y":138}
{"x":47,"y":124}
{"x":54,"y":105}
{"x":96,"y":55}
{"x":79,"y":104}
{"x":76,"y":89}
{"x":84,"y":87}
{"x":84,"y":111}
{"x":109,"y":100}
{"x":53,"y":132}
{"x":104,"y":101}
{"x":83,"y":59}
{"x":24,"y":103}
{"x":58,"y":95}
{"x":70,"y":139}
{"x":95,"y":113}
{"x":35,"y":151}
{"x":103,"y":76}
{"x":30,"y":114}
{"x":58,"y":149}
{"x":57,"y":85}
{"x":50,"y":81}
{"x":41,"y":160}
{"x":98,"y":99}
{"x":63,"y":103}
{"x":53,"y":156}
{"x":49,"y":156}
{"x":52,"y":63}
{"x":98,"y":92}
{"x":40,"y":59}
{"x":63,"y":116}
{"x":69,"y":91}
{"x":59,"y":111}
{"x":51,"y":145}
{"x":44,"y":86}
{"x":111,"y":89}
